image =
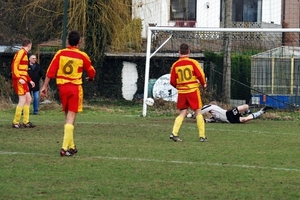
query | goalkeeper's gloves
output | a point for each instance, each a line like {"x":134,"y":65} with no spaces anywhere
{"x":210,"y":120}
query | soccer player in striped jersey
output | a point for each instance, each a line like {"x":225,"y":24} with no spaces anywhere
{"x":67,"y":67}
{"x":20,"y":80}
{"x":186,"y":76}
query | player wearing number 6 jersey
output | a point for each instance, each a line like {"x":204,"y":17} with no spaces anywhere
{"x":67,"y":67}
{"x":186,"y":76}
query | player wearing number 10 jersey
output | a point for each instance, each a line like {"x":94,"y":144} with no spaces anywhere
{"x":186,"y":77}
{"x":67,"y":67}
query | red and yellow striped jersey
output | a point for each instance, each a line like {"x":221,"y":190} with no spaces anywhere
{"x":68,"y":65}
{"x":187,"y":75}
{"x":19,"y":66}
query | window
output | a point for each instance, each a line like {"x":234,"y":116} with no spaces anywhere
{"x":183,"y":10}
{"x":244,"y":10}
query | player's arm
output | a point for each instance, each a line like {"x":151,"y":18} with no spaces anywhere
{"x":16,"y":63}
{"x":205,"y":109}
{"x":53,"y":67}
{"x":199,"y":73}
{"x":91,"y":72}
{"x":88,"y":67}
{"x":173,"y":77}
{"x":28,"y":78}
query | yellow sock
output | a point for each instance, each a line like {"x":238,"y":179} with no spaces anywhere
{"x":201,"y":125}
{"x":18,"y":114}
{"x":177,"y":125}
{"x":72,"y":144}
{"x":68,"y":136}
{"x":26,"y":114}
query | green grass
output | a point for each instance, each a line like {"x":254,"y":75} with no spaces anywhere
{"x":125,"y":156}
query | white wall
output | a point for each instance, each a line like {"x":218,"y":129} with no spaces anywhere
{"x":129,"y":80}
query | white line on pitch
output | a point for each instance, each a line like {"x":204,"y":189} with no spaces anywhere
{"x":165,"y":161}
{"x":199,"y":163}
{"x":190,"y":127}
{"x":246,"y":131}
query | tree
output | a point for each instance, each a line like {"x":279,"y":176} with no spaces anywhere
{"x":226,"y":92}
{"x":41,"y":20}
{"x":11,"y":22}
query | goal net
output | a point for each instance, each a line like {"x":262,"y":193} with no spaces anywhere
{"x":258,"y":66}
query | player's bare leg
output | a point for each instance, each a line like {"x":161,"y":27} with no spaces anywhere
{"x":243,"y":108}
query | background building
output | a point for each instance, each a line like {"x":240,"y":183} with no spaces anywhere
{"x":211,"y":13}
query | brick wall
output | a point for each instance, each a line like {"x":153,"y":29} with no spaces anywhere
{"x":291,"y":19}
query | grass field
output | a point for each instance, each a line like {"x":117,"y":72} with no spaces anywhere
{"x":125,"y":156}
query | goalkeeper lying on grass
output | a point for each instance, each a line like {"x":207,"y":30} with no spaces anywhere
{"x":233,"y":115}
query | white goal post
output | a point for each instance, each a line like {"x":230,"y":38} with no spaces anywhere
{"x":185,"y":29}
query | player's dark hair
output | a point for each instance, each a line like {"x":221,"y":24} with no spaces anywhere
{"x":26,"y":42}
{"x":73,"y":38}
{"x":184,"y":49}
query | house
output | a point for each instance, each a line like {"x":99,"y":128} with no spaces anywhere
{"x":6,"y":48}
{"x":211,"y":13}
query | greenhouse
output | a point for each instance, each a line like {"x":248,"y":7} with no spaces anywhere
{"x":275,"y":77}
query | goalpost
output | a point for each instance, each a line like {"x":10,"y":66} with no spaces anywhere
{"x":271,"y":45}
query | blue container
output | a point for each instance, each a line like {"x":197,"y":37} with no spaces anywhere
{"x":277,"y":101}
{"x":150,"y":87}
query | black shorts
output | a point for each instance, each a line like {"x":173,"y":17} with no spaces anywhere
{"x":233,"y":115}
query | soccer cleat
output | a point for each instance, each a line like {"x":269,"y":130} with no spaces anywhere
{"x":264,"y":109}
{"x":202,"y":139}
{"x":175,"y":138}
{"x":65,"y":153}
{"x":29,"y":125}
{"x":17,"y":125}
{"x":73,"y":151}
